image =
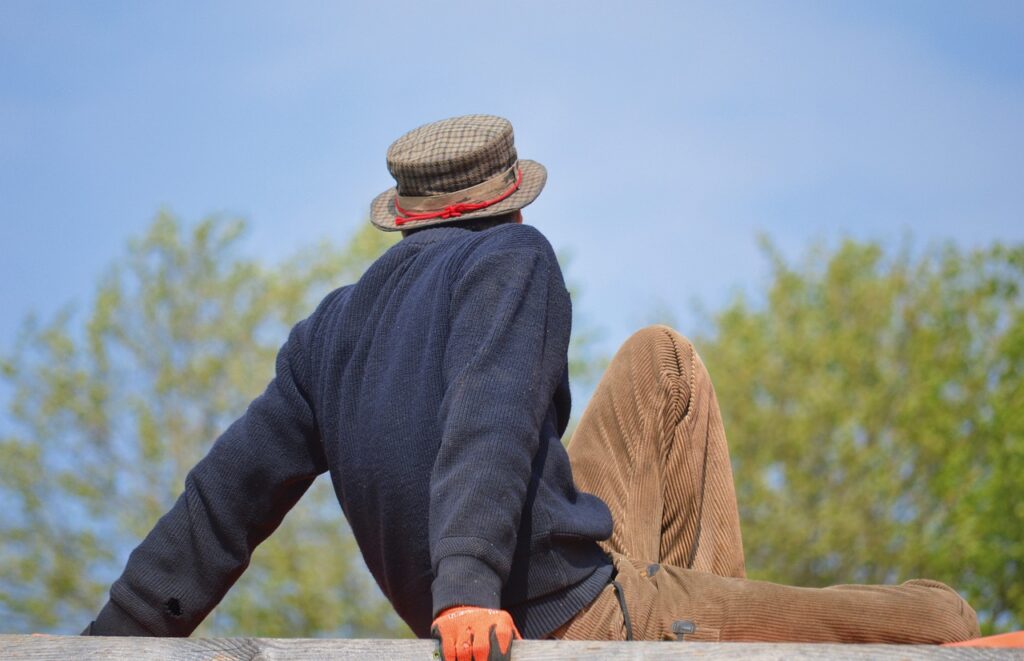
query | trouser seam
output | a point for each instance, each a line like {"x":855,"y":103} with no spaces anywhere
{"x":627,"y":622}
{"x":679,"y":372}
{"x":691,"y":381}
{"x":700,"y":507}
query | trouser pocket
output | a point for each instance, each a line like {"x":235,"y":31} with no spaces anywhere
{"x":664,"y":604}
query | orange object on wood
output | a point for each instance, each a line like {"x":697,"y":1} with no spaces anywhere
{"x":1014,"y":639}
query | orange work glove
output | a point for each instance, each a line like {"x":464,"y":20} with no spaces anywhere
{"x":1012,"y":639}
{"x":468,"y":633}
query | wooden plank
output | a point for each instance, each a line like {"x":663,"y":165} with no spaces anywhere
{"x":77,"y":648}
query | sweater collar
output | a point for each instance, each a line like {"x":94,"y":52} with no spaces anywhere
{"x":434,"y":234}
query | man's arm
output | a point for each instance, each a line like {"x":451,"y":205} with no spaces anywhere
{"x":233,"y":499}
{"x":509,"y":334}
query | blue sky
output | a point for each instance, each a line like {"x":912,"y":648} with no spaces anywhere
{"x":673,"y":132}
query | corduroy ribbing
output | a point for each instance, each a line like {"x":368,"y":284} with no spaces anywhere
{"x":652,"y":445}
{"x":719,"y":608}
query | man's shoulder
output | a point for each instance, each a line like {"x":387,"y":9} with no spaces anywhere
{"x":524,"y":239}
{"x":330,"y":306}
{"x":512,"y":235}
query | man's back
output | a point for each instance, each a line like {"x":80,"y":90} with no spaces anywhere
{"x":435,"y":392}
{"x":441,"y":397}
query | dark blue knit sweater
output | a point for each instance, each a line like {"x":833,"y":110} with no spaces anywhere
{"x":435,"y":392}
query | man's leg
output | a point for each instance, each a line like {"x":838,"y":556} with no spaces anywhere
{"x":651,"y":445}
{"x":701,"y":606}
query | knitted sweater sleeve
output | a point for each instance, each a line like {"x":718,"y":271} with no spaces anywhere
{"x":233,"y":499}
{"x":509,"y":333}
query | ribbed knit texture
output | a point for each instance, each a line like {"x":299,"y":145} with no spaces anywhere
{"x":652,"y":445}
{"x":435,"y":391}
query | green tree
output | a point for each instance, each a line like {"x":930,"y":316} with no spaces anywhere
{"x":107,"y":417}
{"x":875,"y":412}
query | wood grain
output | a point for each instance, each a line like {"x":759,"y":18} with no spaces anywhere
{"x":77,"y":648}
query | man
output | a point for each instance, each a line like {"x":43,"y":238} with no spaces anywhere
{"x":435,"y":391}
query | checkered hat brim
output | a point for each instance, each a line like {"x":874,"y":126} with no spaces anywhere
{"x":453,"y":155}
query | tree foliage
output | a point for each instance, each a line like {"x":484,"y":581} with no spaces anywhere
{"x":107,"y":417}
{"x":875,"y":414}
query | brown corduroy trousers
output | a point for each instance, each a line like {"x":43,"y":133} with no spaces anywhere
{"x":651,"y":444}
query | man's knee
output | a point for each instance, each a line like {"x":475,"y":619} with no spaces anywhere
{"x":671,"y":349}
{"x":960,"y":622}
{"x":674,"y":359}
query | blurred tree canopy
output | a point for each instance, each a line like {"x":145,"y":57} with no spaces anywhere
{"x":875,"y":412}
{"x":108,"y":420}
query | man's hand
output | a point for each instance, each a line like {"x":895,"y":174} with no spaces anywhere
{"x":475,"y":634}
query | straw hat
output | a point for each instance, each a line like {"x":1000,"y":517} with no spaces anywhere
{"x":455,"y":169}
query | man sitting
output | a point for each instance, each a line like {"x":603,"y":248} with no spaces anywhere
{"x":435,"y":391}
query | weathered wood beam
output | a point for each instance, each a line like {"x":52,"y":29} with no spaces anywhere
{"x":77,"y":648}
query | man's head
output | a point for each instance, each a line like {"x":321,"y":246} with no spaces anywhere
{"x":462,"y":171}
